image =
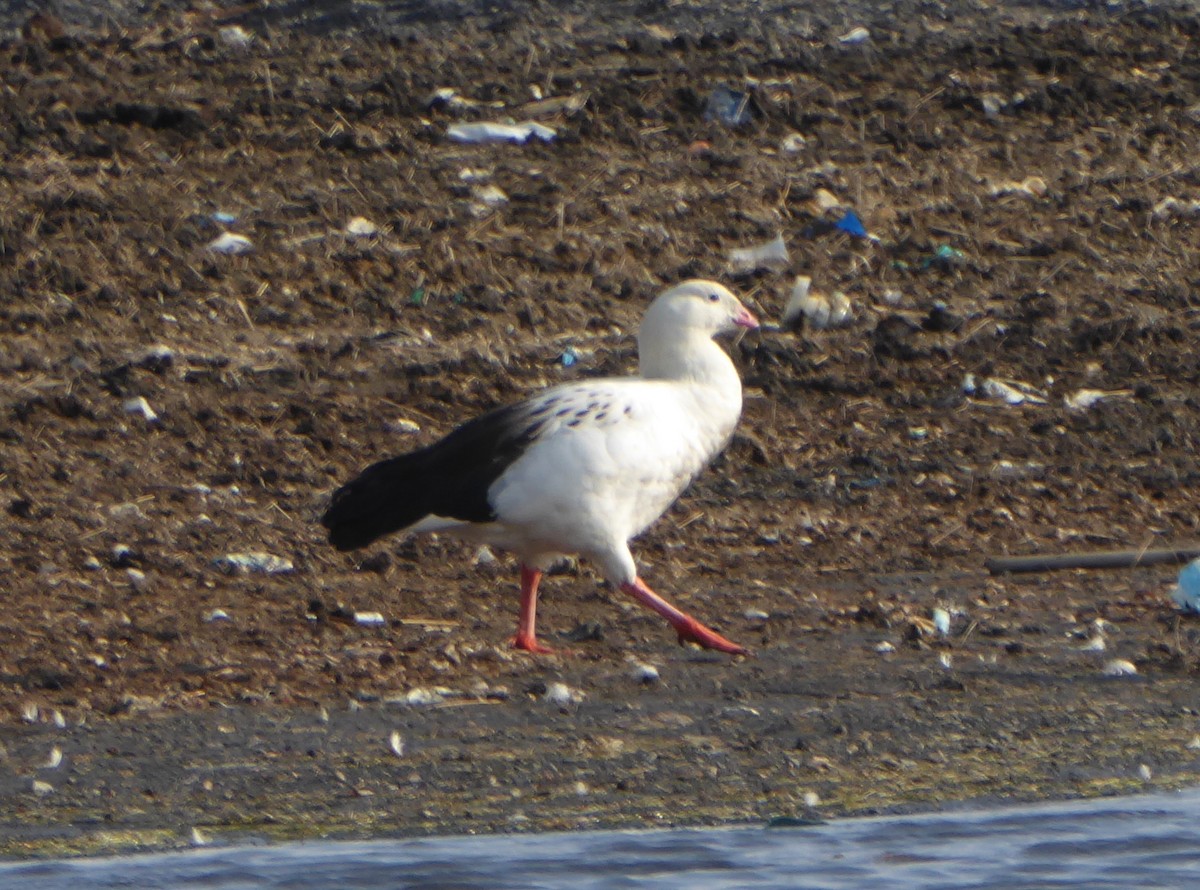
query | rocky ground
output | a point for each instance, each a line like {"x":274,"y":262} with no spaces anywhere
{"x":1028,"y":174}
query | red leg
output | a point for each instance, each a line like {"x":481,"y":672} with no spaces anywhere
{"x":689,"y":629}
{"x":526,"y":637}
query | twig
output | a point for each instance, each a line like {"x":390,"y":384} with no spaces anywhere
{"x":1102,"y":559}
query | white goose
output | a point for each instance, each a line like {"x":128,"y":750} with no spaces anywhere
{"x":580,"y":468}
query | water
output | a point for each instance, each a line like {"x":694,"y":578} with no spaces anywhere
{"x":1133,"y":842}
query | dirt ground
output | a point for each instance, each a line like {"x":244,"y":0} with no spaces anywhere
{"x":1029,"y":172}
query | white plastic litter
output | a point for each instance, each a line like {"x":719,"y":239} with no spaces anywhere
{"x":139,"y":405}
{"x":232,"y":244}
{"x":1119,"y":667}
{"x":245,"y":563}
{"x":1187,"y":588}
{"x":855,"y":35}
{"x":1088,"y":398}
{"x":235,"y":36}
{"x":817,"y":310}
{"x":361,"y":227}
{"x":369,"y":619}
{"x":772,"y":255}
{"x":494,"y":132}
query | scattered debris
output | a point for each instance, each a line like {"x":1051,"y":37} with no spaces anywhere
{"x":771,"y":255}
{"x":519,"y":134}
{"x":851,"y":223}
{"x":235,"y":36}
{"x":370,"y":619}
{"x":54,"y":761}
{"x":41,"y":789}
{"x":246,"y":563}
{"x":361,"y":227}
{"x":489,"y":196}
{"x":139,"y":405}
{"x":138,"y":580}
{"x":421,"y":695}
{"x":943,"y":257}
{"x":884,"y":647}
{"x":728,"y":106}
{"x":1187,"y":588}
{"x":805,"y":306}
{"x":569,"y":357}
{"x":217,"y":615}
{"x":946,"y":660}
{"x":30,"y":712}
{"x":941,"y":622}
{"x":561,"y":694}
{"x":1119,"y":667}
{"x":1175,"y":207}
{"x":1014,"y":392}
{"x":1144,"y":772}
{"x":1083,"y":399}
{"x":855,"y":36}
{"x":645,"y":674}
{"x":793,"y":143}
{"x":824,"y":200}
{"x":396,"y":743}
{"x":199,"y":838}
{"x":224,"y":217}
{"x":1029,"y":187}
{"x":232,"y":244}
{"x":402,"y":425}
{"x":755,"y":615}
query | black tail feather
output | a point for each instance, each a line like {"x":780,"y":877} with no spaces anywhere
{"x":449,"y":478}
{"x":376,"y":503}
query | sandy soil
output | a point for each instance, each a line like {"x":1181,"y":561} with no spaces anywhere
{"x":1029,"y":172}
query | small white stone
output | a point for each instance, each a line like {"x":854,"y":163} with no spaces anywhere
{"x":54,"y":760}
{"x":941,"y":621}
{"x":560,"y":694}
{"x":396,"y":743}
{"x":793,"y":143}
{"x":41,"y":789}
{"x":756,"y":615}
{"x":235,"y":36}
{"x":1119,"y":667}
{"x":138,"y":580}
{"x":1145,"y":773}
{"x":370,"y":619}
{"x":644,"y":673}
{"x":946,"y":660}
{"x":884,"y":647}
{"x":199,"y":838}
{"x":217,"y":615}
{"x":403,"y":426}
{"x":361,"y":227}
{"x":854,"y":36}
{"x":812,"y":799}
{"x":139,"y":405}
{"x":232,"y":244}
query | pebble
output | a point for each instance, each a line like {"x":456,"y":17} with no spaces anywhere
{"x":396,"y":743}
{"x":139,"y":405}
{"x":941,"y":621}
{"x":370,"y":619}
{"x":41,"y":789}
{"x":243,"y":563}
{"x":1119,"y":667}
{"x":885,"y":647}
{"x":855,"y":35}
{"x":756,"y":615}
{"x":642,"y":673}
{"x":217,"y":615}
{"x":231,"y":244}
{"x":560,"y":694}
{"x":361,"y":227}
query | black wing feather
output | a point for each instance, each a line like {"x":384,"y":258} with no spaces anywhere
{"x":449,"y":478}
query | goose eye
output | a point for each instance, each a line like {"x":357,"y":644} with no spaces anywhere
{"x":713,"y":298}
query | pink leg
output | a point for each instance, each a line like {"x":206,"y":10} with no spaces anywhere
{"x":689,"y":629}
{"x":526,"y":637}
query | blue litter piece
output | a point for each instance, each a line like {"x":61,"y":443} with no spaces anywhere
{"x":1187,"y":591}
{"x":852,"y":225}
{"x":728,"y":106}
{"x":569,"y":357}
{"x":224,"y":218}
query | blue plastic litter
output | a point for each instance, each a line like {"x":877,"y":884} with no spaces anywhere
{"x":569,"y":357}
{"x":1187,"y":590}
{"x":728,"y":106}
{"x":224,"y":218}
{"x":852,"y":225}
